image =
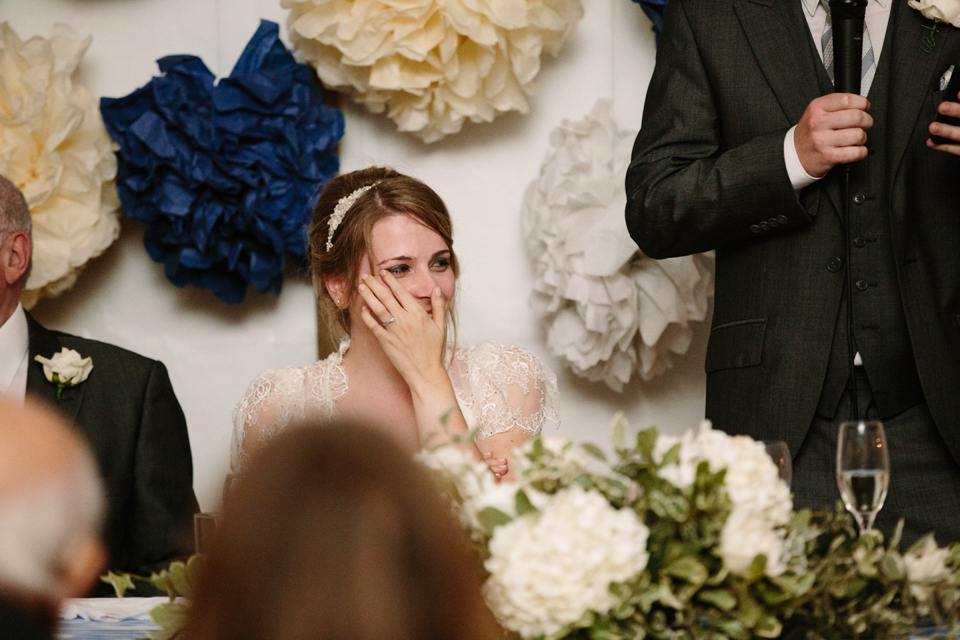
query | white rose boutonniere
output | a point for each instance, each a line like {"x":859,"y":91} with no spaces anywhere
{"x":65,"y":369}
{"x":939,"y":11}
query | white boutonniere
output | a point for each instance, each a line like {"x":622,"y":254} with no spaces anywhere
{"x":939,"y":11}
{"x":65,"y":369}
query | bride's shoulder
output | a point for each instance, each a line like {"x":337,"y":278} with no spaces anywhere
{"x":283,"y":377}
{"x":502,"y":357}
{"x":280,"y":396}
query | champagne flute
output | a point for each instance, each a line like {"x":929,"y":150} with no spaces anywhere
{"x":863,"y":469}
{"x":780,"y":454}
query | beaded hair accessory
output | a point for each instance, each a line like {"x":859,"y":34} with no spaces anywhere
{"x":339,"y":211}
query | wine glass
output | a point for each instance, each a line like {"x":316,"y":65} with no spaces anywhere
{"x":780,"y":454}
{"x":863,"y":469}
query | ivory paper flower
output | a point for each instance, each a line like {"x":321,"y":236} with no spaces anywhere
{"x":609,"y":310}
{"x":54,"y":147}
{"x":434,"y":64}
{"x":65,"y":369}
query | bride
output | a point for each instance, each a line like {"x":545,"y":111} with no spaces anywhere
{"x":384,"y":267}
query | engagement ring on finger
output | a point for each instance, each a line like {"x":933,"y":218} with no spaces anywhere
{"x":390,"y":321}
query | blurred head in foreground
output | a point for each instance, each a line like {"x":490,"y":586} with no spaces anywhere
{"x":51,"y":508}
{"x":335,"y":532}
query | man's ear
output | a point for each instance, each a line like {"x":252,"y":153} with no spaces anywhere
{"x":336,"y":287}
{"x":15,"y":257}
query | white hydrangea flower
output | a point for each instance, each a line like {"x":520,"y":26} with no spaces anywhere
{"x":927,"y":564}
{"x":761,"y":504}
{"x":569,"y":457}
{"x":548,"y":569}
{"x":471,"y":478}
{"x":746,"y":534}
{"x":476,"y":485}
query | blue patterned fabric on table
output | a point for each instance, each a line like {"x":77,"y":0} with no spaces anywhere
{"x":105,"y":629}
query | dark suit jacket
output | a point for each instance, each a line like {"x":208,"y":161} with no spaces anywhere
{"x":732,"y":76}
{"x":131,"y":417}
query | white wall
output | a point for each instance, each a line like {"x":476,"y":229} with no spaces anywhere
{"x":213,"y":350}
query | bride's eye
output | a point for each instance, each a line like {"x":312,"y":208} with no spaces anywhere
{"x":399,"y":270}
{"x":441,"y":264}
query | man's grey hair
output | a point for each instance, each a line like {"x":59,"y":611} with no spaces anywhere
{"x":44,"y":525}
{"x":14,"y":212}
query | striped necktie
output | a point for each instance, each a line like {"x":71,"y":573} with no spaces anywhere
{"x":868,"y":64}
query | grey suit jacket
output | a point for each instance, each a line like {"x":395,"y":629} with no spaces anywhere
{"x":130,"y":415}
{"x":732,"y":77}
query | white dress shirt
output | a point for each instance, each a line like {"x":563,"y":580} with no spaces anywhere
{"x":876,"y":18}
{"x":14,"y":352}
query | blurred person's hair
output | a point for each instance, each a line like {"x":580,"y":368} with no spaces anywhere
{"x":335,"y":532}
{"x":44,"y":525}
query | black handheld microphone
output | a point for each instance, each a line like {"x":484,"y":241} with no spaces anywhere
{"x":847,"y":19}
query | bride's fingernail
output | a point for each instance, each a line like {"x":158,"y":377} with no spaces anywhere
{"x":362,"y":287}
{"x":363,"y":277}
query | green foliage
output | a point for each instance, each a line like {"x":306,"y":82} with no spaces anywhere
{"x":178,"y":581}
{"x":836,"y":585}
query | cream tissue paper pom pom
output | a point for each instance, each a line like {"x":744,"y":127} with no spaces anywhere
{"x":609,"y":310}
{"x":54,"y":147}
{"x":431,"y":64}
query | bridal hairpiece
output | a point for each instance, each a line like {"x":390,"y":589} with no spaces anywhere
{"x":343,"y":205}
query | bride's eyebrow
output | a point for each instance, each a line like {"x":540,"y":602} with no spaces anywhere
{"x":400,"y":258}
{"x":409,"y":259}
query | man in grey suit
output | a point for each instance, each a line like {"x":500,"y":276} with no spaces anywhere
{"x":126,"y":409}
{"x":743,"y":150}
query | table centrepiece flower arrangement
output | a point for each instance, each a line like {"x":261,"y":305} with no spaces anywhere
{"x":691,"y":537}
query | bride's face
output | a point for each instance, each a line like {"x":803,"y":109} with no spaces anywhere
{"x":416,"y":256}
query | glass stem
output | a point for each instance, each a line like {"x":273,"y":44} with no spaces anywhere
{"x":865,"y":521}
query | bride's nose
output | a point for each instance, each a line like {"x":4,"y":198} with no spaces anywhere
{"x":422,"y":284}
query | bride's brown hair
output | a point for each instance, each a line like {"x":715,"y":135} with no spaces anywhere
{"x":391,"y":193}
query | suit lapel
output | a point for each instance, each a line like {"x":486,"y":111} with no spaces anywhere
{"x":776,"y":31}
{"x":46,"y":343}
{"x":907,"y":94}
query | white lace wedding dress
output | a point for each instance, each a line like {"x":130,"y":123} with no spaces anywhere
{"x":498,"y":387}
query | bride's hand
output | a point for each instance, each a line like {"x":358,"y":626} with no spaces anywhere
{"x":413,"y":339}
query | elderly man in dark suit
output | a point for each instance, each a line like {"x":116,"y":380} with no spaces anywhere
{"x":126,"y":408}
{"x":742,"y":150}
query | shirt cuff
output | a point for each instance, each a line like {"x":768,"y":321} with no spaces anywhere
{"x":799,"y":178}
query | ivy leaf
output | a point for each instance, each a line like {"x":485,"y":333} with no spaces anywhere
{"x":720,"y":598}
{"x":490,"y":518}
{"x":594,"y":450}
{"x":523,"y":505}
{"x":119,"y":581}
{"x":688,"y":568}
{"x":768,"y":627}
{"x":170,"y":617}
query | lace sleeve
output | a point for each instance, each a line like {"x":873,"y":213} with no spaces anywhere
{"x":273,"y":400}
{"x":506,"y":387}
